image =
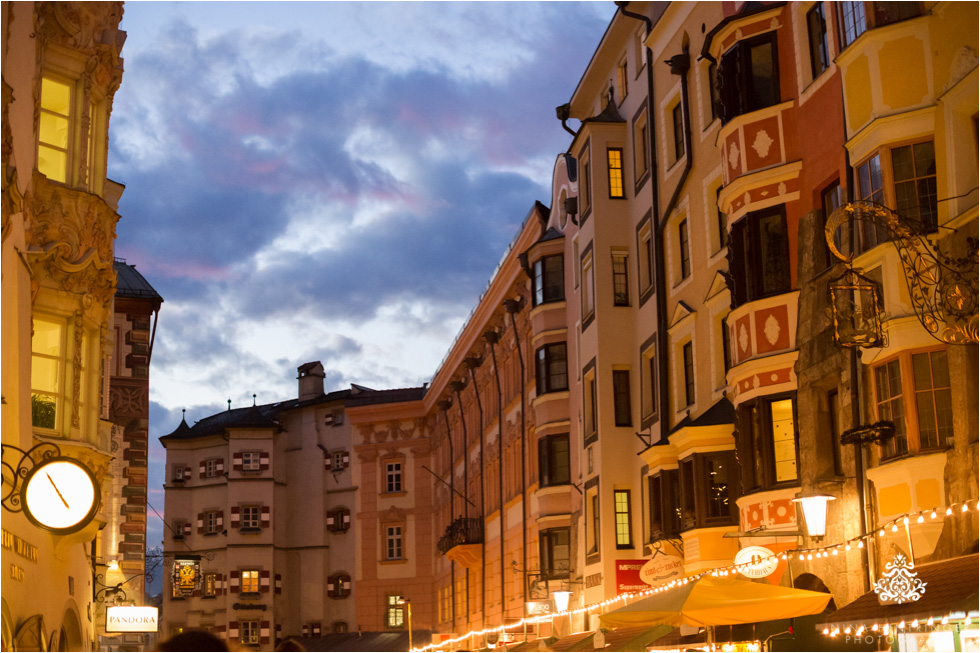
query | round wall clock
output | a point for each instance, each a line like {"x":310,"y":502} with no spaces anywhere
{"x":60,"y":495}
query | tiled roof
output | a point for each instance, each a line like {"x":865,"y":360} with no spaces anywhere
{"x":573,"y":642}
{"x":367,"y":397}
{"x":130,"y":283}
{"x":951,"y":586}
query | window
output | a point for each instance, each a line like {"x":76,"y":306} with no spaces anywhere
{"x":211,"y":468}
{"x":395,"y":612}
{"x":621,"y":514}
{"x":179,"y":528}
{"x":210,"y":522}
{"x":338,"y":520}
{"x":251,"y":461}
{"x":816,"y":27}
{"x":921,"y":409}
{"x":853,"y":22}
{"x":648,"y":368}
{"x":622,"y":80}
{"x":641,"y":149}
{"x":914,"y":174}
{"x":614,"y":159}
{"x":677,"y":118}
{"x":249,"y":632}
{"x":621,"y":287}
{"x":393,"y":542}
{"x":871,"y":189}
{"x":591,"y":404}
{"x":708,"y":489}
{"x":644,"y":241}
{"x":585,"y":183}
{"x":726,"y":346}
{"x":552,"y":371}
{"x":687,"y":353}
{"x":721,"y":220}
{"x":833,"y":408}
{"x":554,"y":463}
{"x":249,"y":581}
{"x":47,"y":370}
{"x":338,"y":586}
{"x":592,"y":525}
{"x":338,"y":460}
{"x":54,"y":129}
{"x":767,"y":442}
{"x":683,"y":239}
{"x":759,"y":256}
{"x":665,"y":513}
{"x":393,"y":477}
{"x":549,"y":279}
{"x":621,"y":398}
{"x":830,"y":201}
{"x":713,"y":89}
{"x":588,"y":288}
{"x":339,"y":627}
{"x":748,"y":76}
{"x":555,"y":552}
{"x":209,"y":588}
{"x":251,"y":518}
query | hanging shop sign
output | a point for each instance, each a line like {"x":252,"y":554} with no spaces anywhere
{"x":756,"y":562}
{"x":661,"y":568}
{"x":186,"y":576}
{"x":131,"y":619}
{"x":899,"y":584}
{"x":540,"y":608}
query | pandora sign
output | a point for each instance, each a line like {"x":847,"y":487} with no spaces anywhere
{"x":131,"y":619}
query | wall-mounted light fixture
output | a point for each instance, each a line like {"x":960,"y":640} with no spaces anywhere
{"x":814,"y":508}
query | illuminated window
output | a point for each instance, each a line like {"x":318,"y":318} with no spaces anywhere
{"x":249,"y":632}
{"x":250,"y":581}
{"x":47,"y":369}
{"x":621,"y":503}
{"x":614,"y":157}
{"x":210,"y":586}
{"x":767,"y":442}
{"x":395,"y":612}
{"x":54,"y":129}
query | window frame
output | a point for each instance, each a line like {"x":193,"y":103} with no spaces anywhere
{"x":684,"y":249}
{"x":615,"y":173}
{"x":620,"y":278}
{"x":663,"y":494}
{"x":588,"y":287}
{"x":394,"y":477}
{"x":646,"y":259}
{"x":641,"y":146}
{"x":908,"y":427}
{"x":545,"y":289}
{"x":649,"y":377}
{"x":688,"y":372}
{"x":738,"y":95}
{"x":59,"y":361}
{"x":252,"y":574}
{"x":622,"y":519}
{"x":394,"y":612}
{"x":245,"y":522}
{"x":250,"y":632}
{"x":394,"y":541}
{"x":546,"y":358}
{"x":549,"y":563}
{"x":551,"y":472}
{"x":622,"y":398}
{"x":254,"y":461}
{"x":818,"y":44}
{"x":677,"y":122}
{"x":210,"y":522}
{"x":749,"y":273}
{"x":756,"y":444}
{"x":694,"y":501}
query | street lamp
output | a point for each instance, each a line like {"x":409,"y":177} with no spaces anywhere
{"x":814,"y":512}
{"x":408,"y":605}
{"x":561,"y":600}
{"x":855,"y":310}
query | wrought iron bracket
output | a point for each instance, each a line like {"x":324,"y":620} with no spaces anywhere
{"x":105,"y":591}
{"x":14,"y":474}
{"x":879,"y":433}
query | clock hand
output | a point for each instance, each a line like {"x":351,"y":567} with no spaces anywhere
{"x":57,"y":490}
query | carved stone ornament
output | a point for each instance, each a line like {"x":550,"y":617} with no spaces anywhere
{"x":84,"y":26}
{"x":394,"y":513}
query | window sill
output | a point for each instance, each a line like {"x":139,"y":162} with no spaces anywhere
{"x":592,"y":558}
{"x":393,"y":494}
{"x":250,"y":595}
{"x":250,"y":530}
{"x":395,"y":561}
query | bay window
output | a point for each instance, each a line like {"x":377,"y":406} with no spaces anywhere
{"x":708,"y":491}
{"x":548,"y":280}
{"x":767,"y":442}
{"x":551,"y":368}
{"x":664,"y":511}
{"x":759,"y":256}
{"x":554,"y":552}
{"x":913,"y":392}
{"x":748,"y":76}
{"x":857,"y":17}
{"x":554,"y":466}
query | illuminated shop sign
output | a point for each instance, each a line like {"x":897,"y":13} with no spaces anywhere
{"x":186,"y":577}
{"x":131,"y":619}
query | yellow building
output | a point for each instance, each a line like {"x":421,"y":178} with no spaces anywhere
{"x":61,"y":67}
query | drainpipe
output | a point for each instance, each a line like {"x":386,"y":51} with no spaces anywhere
{"x":444,"y":405}
{"x":512,"y":307}
{"x":492,"y":337}
{"x":457,"y":386}
{"x":471,"y":364}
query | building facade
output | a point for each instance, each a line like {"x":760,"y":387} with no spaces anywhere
{"x":61,"y":68}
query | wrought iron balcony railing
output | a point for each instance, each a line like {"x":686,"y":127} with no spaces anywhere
{"x":462,"y":531}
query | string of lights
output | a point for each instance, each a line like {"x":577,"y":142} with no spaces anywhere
{"x":858,"y":542}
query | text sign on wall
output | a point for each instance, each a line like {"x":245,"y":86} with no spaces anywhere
{"x":131,"y":619}
{"x":660,"y":569}
{"x":628,"y":576}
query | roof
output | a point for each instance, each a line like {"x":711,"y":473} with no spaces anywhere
{"x":130,"y":283}
{"x":369,"y":641}
{"x":367,"y":397}
{"x":722,"y":412}
{"x":573,"y":642}
{"x":950,"y":587}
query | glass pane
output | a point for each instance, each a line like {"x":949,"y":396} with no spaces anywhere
{"x":52,"y":163}
{"x":44,"y":374}
{"x":940,"y":369}
{"x":783,"y":440}
{"x":944,"y":416}
{"x":46,"y":338}
{"x":925,"y":159}
{"x":775,"y":259}
{"x":894,"y":379}
{"x":928,"y":436}
{"x":53,"y":130}
{"x":921,"y":372}
{"x":902,"y":163}
{"x":907,"y":199}
{"x":763,"y":77}
{"x":926,"y":191}
{"x":55,"y":96}
{"x":717,"y":487}
{"x":44,"y":409}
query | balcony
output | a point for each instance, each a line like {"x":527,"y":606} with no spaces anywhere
{"x":462,"y":542}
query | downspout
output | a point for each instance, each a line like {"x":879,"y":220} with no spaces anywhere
{"x":472,"y":363}
{"x":493,"y":337}
{"x":512,"y":306}
{"x":444,"y":407}
{"x":457,"y":386}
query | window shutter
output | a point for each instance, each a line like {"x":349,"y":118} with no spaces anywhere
{"x":202,"y":468}
{"x":200,"y":523}
{"x":220,"y":466}
{"x":236,"y":462}
{"x":346,"y":518}
{"x":265,"y":517}
{"x":187,"y":528}
{"x":346,"y":459}
{"x":278,"y":583}
{"x":264,"y":461}
{"x":264,"y":632}
{"x":306,"y":630}
{"x":278,"y":632}
{"x":233,"y":581}
{"x":330,"y":520}
{"x":221,"y":519}
{"x":232,"y":630}
{"x":327,"y":460}
{"x":264,"y":577}
{"x":316,"y":630}
{"x":235,"y":516}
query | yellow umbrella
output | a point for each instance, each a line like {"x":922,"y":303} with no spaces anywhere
{"x":718,"y":601}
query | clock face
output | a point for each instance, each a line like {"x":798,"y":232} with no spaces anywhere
{"x":60,"y":495}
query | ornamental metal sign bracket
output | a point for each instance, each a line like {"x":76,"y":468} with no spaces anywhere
{"x":900,"y":584}
{"x":941,"y":277}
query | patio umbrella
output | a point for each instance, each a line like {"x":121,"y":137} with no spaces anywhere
{"x":718,"y":601}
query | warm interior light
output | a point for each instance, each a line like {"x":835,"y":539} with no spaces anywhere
{"x":814,"y":508}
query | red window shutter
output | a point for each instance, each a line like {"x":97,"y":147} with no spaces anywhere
{"x":202,"y":468}
{"x":200,"y":523}
{"x":278,"y":583}
{"x":233,"y":630}
{"x":330,"y":520}
{"x":187,"y":529}
{"x":235,"y":516}
{"x":220,"y":466}
{"x":264,"y":461}
{"x":346,"y":459}
{"x":264,"y":580}
{"x":221,"y":518}
{"x":265,"y":517}
{"x":327,"y":460}
{"x":233,"y":581}
{"x":331,"y":586}
{"x":236,"y":462}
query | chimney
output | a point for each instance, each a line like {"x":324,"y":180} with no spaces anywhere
{"x":310,"y":380}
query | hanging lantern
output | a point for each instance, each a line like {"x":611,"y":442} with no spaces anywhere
{"x":855,"y":307}
{"x":814,"y":507}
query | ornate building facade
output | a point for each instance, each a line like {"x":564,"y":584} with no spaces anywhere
{"x":61,"y":68}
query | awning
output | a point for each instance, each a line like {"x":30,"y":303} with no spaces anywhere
{"x":364,"y":641}
{"x":635,"y":638}
{"x":950,"y":588}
